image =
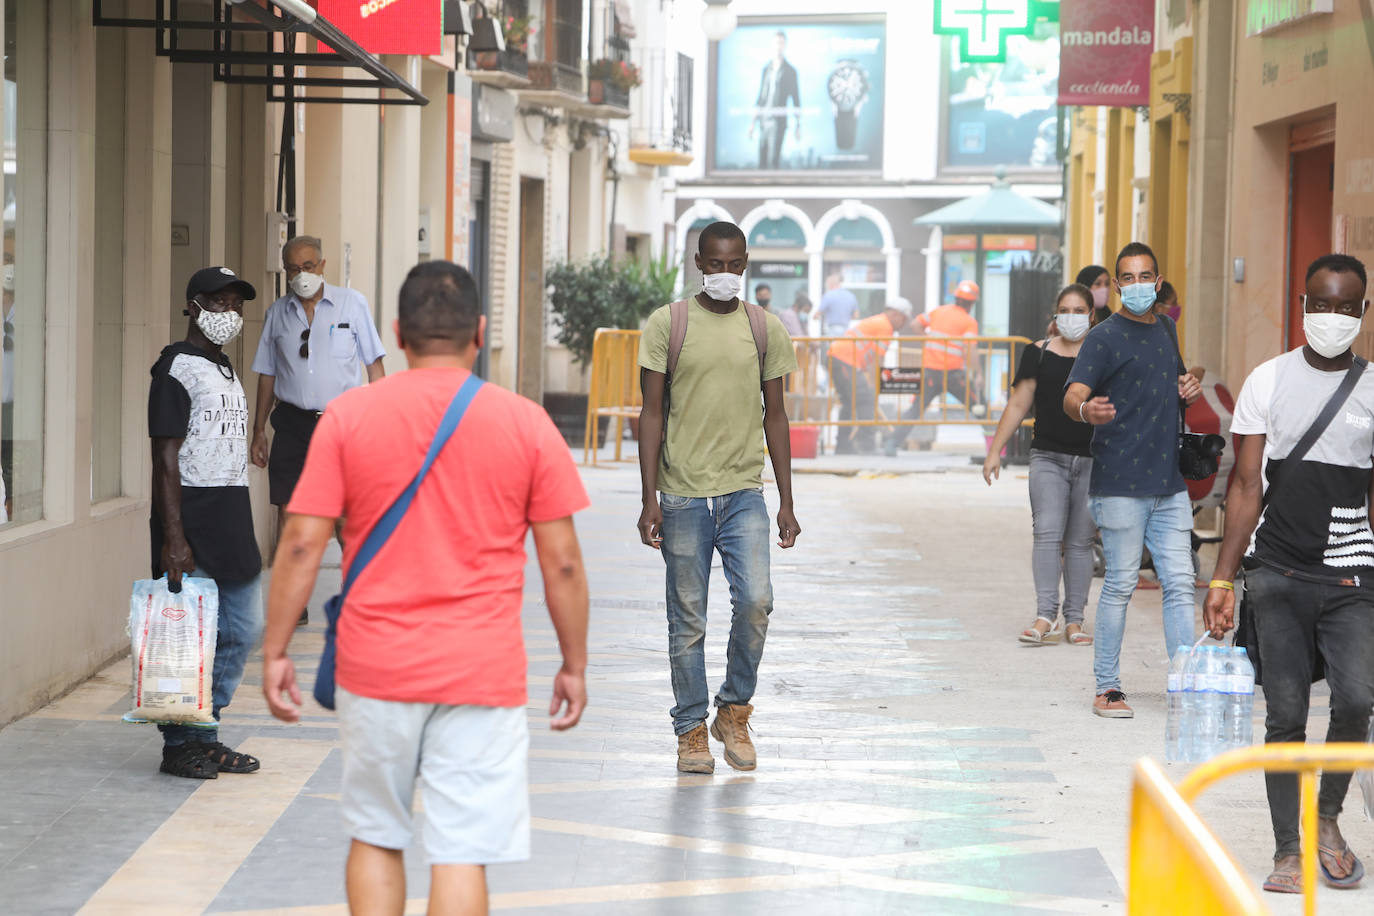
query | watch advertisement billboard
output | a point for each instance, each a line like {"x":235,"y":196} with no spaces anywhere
{"x":1104,"y":58}
{"x":800,"y":94}
{"x":1004,"y":114}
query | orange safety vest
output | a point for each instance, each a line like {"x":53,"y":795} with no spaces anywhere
{"x":859,"y":355}
{"x":947,"y":321}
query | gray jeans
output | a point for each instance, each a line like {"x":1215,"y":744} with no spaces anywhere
{"x":1063,"y":533}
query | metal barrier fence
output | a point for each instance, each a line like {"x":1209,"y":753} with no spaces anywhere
{"x":1176,"y":865}
{"x":854,"y":384}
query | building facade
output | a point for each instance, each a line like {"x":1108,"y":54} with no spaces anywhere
{"x":137,"y":151}
{"x":829,"y":128}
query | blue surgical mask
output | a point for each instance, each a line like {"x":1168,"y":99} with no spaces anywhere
{"x":1138,"y":297}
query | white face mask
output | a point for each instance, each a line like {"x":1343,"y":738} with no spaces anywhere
{"x":219,"y":327}
{"x":1330,"y":334}
{"x":723,"y":287}
{"x":1071,"y":327}
{"x":306,"y":285}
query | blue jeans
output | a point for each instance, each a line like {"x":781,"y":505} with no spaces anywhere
{"x":738,"y":526}
{"x":1127,"y":523}
{"x":240,"y":625}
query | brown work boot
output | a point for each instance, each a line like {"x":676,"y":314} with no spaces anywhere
{"x":694,"y":752}
{"x":731,"y":728}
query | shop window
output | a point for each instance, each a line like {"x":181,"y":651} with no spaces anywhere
{"x":23,"y":118}
{"x":107,"y":415}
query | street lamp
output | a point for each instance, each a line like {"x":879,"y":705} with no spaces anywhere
{"x":718,"y":20}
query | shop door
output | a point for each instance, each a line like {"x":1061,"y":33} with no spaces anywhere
{"x":1311,"y":174}
{"x":530,"y":360}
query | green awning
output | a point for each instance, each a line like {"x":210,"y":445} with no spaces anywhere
{"x":998,"y":208}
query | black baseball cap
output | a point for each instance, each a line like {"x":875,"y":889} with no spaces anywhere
{"x":210,"y":280}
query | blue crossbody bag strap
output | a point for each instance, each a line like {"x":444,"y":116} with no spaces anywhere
{"x":387,"y":524}
{"x":376,"y":538}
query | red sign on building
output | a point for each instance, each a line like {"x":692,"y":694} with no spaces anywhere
{"x":388,"y":26}
{"x":1104,"y":52}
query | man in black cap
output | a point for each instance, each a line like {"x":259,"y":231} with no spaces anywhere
{"x":202,"y":521}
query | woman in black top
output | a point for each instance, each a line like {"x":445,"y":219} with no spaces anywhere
{"x":1060,"y":468}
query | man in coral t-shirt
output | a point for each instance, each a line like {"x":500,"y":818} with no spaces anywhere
{"x":430,"y":660}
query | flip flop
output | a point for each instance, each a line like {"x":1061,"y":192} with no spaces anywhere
{"x":1281,"y":882}
{"x":1349,"y":881}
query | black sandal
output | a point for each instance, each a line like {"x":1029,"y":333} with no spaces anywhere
{"x":229,"y":760}
{"x":189,"y":761}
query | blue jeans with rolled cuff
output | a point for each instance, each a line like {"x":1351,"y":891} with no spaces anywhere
{"x":737,"y":525}
{"x":1128,"y":523}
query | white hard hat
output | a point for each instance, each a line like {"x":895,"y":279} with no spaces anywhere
{"x":902,"y":305}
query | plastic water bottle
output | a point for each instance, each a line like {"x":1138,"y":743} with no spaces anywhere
{"x":1191,"y":702}
{"x":1176,"y":724}
{"x":1240,"y":699}
{"x":1209,"y":682}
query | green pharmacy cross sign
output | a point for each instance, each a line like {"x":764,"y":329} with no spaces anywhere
{"x":983,"y":26}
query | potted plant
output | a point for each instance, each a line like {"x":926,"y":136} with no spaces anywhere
{"x":609,"y":82}
{"x":518,"y":31}
{"x":599,"y":293}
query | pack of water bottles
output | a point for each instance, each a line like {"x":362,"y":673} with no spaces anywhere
{"x":1211,"y":702}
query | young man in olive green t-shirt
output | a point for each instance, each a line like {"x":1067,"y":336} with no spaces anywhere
{"x":709,"y":472}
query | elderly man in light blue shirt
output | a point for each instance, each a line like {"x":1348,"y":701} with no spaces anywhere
{"x":316,"y":341}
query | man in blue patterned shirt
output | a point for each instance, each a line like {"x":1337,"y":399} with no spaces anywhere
{"x":1127,"y":382}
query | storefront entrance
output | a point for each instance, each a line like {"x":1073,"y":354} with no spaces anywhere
{"x":1311,"y":177}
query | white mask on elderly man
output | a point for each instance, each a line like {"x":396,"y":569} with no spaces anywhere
{"x":306,"y":285}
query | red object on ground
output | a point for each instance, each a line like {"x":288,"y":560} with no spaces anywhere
{"x":804,"y":440}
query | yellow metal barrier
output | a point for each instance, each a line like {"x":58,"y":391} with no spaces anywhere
{"x":826,"y":390}
{"x":1177,"y":866}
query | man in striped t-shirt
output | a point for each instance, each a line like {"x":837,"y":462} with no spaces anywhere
{"x":1309,"y":565}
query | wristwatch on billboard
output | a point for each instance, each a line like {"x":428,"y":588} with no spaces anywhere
{"x":848,"y":86}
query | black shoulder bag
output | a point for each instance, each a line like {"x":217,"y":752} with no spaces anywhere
{"x":1199,"y":454}
{"x":1246,"y":635}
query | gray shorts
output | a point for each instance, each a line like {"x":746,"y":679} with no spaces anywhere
{"x":474,"y":763}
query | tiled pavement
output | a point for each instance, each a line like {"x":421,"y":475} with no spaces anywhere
{"x":912,"y":759}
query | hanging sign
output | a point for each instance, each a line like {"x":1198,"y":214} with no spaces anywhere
{"x":388,"y":26}
{"x":1104,"y":52}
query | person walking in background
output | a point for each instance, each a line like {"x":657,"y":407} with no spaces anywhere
{"x":202,"y":520}
{"x":1127,"y":382}
{"x":315,"y":341}
{"x":1305,"y":420}
{"x":1060,"y":468}
{"x":763,"y":296}
{"x":795,"y":319}
{"x":702,"y":486}
{"x":1098,"y":279}
{"x":1168,"y":303}
{"x":838,"y":306}
{"x":948,"y":365}
{"x":430,"y":658}
{"x":851,"y":370}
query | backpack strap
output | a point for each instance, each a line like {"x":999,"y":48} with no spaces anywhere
{"x":677,"y":333}
{"x":758,"y":324}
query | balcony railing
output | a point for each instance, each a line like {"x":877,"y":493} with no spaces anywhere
{"x":661,"y":109}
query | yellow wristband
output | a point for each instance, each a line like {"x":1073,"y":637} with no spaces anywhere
{"x":1222,"y":583}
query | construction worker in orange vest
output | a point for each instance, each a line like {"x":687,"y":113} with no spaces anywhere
{"x":948,"y":364}
{"x":851,"y":367}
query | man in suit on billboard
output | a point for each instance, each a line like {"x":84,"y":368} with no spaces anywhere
{"x":778,"y":94}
